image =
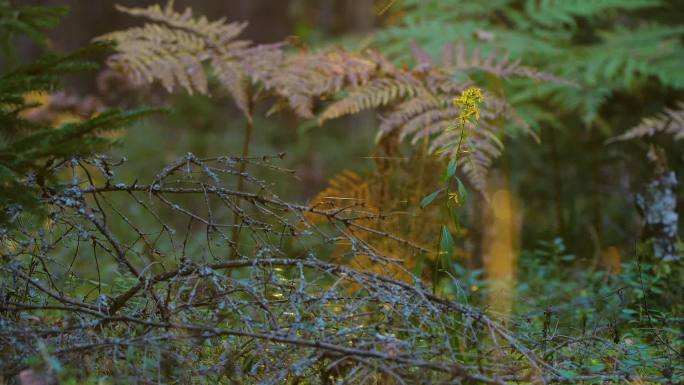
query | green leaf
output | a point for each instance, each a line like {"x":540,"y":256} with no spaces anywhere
{"x":451,"y":168}
{"x":568,"y":374}
{"x":596,"y":366}
{"x":420,"y":265}
{"x":446,"y":244}
{"x":55,"y":364}
{"x":429,"y":198}
{"x":462,"y":191}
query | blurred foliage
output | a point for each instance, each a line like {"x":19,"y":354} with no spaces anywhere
{"x":29,"y":147}
{"x":607,"y":46}
{"x":637,"y":308}
{"x":26,"y":21}
{"x":625,"y":58}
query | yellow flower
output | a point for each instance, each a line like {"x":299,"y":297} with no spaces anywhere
{"x":453,"y":197}
{"x":469,"y":102}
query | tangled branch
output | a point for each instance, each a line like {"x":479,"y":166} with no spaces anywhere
{"x":111,"y":276}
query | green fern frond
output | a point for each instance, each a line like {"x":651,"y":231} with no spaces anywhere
{"x":415,"y":9}
{"x":634,"y":55}
{"x":551,"y":13}
{"x":616,"y":47}
{"x":499,"y":66}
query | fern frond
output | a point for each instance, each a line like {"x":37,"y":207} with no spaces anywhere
{"x":377,"y":93}
{"x":670,"y":121}
{"x":346,"y":190}
{"x":418,"y":106}
{"x":406,"y":110}
{"x":628,"y":48}
{"x":61,"y":107}
{"x":158,"y":53}
{"x":218,"y":31}
{"x":476,"y":146}
{"x":360,"y":198}
{"x":175,"y":48}
{"x":428,"y":122}
{"x":550,"y":13}
{"x":499,"y":66}
{"x":626,"y":56}
{"x":303,"y":77}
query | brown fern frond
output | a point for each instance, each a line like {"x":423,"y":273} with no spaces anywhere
{"x":236,"y":69}
{"x":305,"y":77}
{"x":669,"y":121}
{"x":377,"y":93}
{"x":419,"y":106}
{"x":175,"y":48}
{"x":360,"y":199}
{"x":218,"y":31}
{"x":479,"y":147}
{"x":178,"y":48}
{"x":61,"y":107}
{"x":476,"y":146}
{"x":405,"y":110}
{"x":158,"y":53}
{"x":396,"y":213}
{"x":423,"y":59}
{"x":346,"y":190}
{"x":434,"y":118}
{"x":233,"y":78}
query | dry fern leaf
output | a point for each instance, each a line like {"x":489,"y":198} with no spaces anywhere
{"x":305,"y":77}
{"x":346,"y":191}
{"x":669,"y":121}
{"x":218,"y":30}
{"x":418,"y":106}
{"x":376,"y":93}
{"x":421,"y":108}
{"x":158,"y":53}
{"x":175,"y":47}
{"x":358,"y":197}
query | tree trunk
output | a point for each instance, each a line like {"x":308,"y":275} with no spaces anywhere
{"x":657,"y":204}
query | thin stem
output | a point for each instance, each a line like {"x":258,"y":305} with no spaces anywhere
{"x":237,"y":221}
